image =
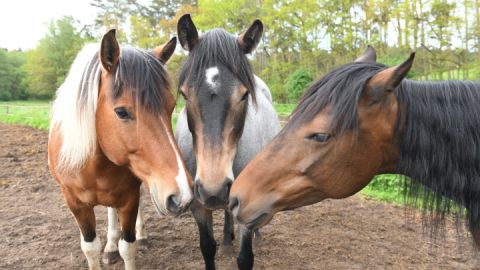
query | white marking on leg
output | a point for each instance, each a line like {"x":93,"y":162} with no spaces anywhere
{"x":181,"y":178}
{"x":92,"y":252}
{"x":141,"y":233}
{"x":210,"y":74}
{"x":128,"y":251}
{"x":113,"y":231}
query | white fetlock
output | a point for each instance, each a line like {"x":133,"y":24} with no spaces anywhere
{"x":113,"y":232}
{"x":128,"y":251}
{"x":92,"y":252}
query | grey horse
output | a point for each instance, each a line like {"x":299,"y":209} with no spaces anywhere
{"x":228,"y":118}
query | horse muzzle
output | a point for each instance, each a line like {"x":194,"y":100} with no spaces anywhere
{"x":212,"y":200}
{"x":251,"y":221}
{"x":173,"y":205}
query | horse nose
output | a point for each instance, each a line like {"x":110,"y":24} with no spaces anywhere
{"x":212,"y":200}
{"x":173,"y":204}
{"x":198,"y":191}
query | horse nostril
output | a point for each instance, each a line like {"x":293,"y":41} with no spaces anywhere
{"x":233,"y":205}
{"x":173,"y":203}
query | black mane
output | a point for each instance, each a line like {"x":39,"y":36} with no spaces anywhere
{"x":215,"y":47}
{"x":139,"y":73}
{"x":438,"y":132}
{"x":440,"y":146}
{"x":340,"y":89}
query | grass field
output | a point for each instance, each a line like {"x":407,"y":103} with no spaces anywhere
{"x":36,"y":114}
{"x":30,"y":113}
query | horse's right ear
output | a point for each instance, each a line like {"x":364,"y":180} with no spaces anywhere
{"x":109,"y":51}
{"x":387,"y":80}
{"x":368,"y":56}
{"x":187,"y":32}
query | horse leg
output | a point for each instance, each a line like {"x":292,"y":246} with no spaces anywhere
{"x":110,"y":252}
{"x":245,"y":256}
{"x":89,"y":241}
{"x":208,"y":246}
{"x":141,"y":233}
{"x":228,"y":234}
{"x":257,"y":238}
{"x":127,"y":245}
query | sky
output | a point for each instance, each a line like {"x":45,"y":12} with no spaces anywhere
{"x":24,"y":22}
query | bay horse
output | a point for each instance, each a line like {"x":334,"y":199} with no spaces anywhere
{"x":111,"y":131}
{"x":364,"y":119}
{"x":228,"y":118}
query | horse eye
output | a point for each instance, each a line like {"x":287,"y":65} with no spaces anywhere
{"x":319,"y":137}
{"x":245,"y":96}
{"x":123,"y":113}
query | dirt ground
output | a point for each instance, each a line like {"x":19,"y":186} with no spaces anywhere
{"x":38,"y":232}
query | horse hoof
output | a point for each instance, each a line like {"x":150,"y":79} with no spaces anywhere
{"x":227,"y":250}
{"x":111,"y":257}
{"x":143,"y":244}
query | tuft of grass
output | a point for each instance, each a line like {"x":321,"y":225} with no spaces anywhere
{"x":386,"y":187}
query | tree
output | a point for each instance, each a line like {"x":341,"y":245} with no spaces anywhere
{"x":48,"y":64}
{"x":11,"y":75}
{"x":297,"y":83}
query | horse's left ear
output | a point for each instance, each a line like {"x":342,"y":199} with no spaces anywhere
{"x":109,"y":51}
{"x":249,"y":40}
{"x":390,"y":78}
{"x":165,"y":51}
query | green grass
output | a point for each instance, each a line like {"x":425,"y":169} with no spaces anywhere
{"x":34,"y":113}
{"x":385,"y":187}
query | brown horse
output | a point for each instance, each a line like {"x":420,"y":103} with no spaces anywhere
{"x":364,"y":119}
{"x":110,"y":131}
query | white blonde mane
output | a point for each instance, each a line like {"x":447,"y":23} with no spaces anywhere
{"x":74,"y":110}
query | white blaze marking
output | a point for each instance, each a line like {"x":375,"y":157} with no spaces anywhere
{"x":210,"y":74}
{"x":181,"y":178}
{"x":230,"y":173}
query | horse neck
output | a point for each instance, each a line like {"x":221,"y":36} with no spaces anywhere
{"x":98,"y":163}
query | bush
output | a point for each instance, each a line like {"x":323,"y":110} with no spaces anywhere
{"x":387,"y":182}
{"x":297,"y":82}
{"x":4,"y":95}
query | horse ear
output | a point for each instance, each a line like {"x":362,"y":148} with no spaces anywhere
{"x":109,"y":51}
{"x":390,"y":78}
{"x":165,"y":51}
{"x":368,"y":56}
{"x":249,"y":40}
{"x":187,"y":32}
